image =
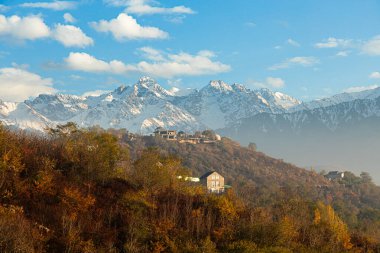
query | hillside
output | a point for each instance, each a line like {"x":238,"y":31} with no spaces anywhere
{"x":261,"y":179}
{"x":92,"y":190}
{"x":246,"y":169}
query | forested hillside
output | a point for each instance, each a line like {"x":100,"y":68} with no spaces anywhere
{"x":80,"y":190}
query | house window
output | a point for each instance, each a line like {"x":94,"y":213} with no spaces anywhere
{"x":213,"y":184}
{"x":213,"y":177}
{"x":217,"y":177}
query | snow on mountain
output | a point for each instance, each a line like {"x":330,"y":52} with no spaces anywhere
{"x":174,"y":91}
{"x":22,"y":116}
{"x":325,"y":118}
{"x":146,"y":105}
{"x":58,"y":107}
{"x":277,"y":99}
{"x":139,"y":108}
{"x":219,"y":104}
{"x":339,"y":98}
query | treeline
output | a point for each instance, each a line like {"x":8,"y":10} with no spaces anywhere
{"x":82,"y":190}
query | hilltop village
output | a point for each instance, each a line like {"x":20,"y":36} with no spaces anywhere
{"x":204,"y":137}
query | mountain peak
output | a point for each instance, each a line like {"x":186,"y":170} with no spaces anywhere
{"x":121,"y":89}
{"x":239,"y":87}
{"x":146,"y":81}
{"x":219,"y":86}
{"x":148,"y":84}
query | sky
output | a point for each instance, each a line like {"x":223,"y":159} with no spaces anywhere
{"x":307,"y":49}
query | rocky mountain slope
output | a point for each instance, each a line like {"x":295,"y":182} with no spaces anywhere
{"x":344,"y":135}
{"x":146,"y":105}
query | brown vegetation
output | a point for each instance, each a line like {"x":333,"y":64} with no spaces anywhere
{"x":87,"y":191}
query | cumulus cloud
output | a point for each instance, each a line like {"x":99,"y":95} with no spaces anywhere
{"x":157,"y":63}
{"x":360,"y":88}
{"x":295,"y":61}
{"x":145,"y":7}
{"x":87,"y":63}
{"x":69,"y":18}
{"x":23,"y":28}
{"x":33,"y":28}
{"x":270,"y":82}
{"x":19,"y":84}
{"x":55,"y":5}
{"x":71,"y":36}
{"x":372,"y":47}
{"x":375,"y":75}
{"x":125,"y":27}
{"x":172,"y":65}
{"x":333,"y":43}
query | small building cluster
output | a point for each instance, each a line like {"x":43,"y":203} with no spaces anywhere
{"x":334,"y":175}
{"x":170,"y":135}
{"x":182,"y":137}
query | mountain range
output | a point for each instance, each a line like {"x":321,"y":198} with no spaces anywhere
{"x":341,"y":130}
{"x":146,"y":105}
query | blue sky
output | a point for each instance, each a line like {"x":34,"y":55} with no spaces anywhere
{"x":307,"y":49}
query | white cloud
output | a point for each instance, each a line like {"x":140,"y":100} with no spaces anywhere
{"x":95,"y":93}
{"x":69,"y":18}
{"x":34,"y":27}
{"x":333,"y":43}
{"x":71,"y":36}
{"x":172,"y":65}
{"x":372,"y":47}
{"x":158,"y":64}
{"x":275,"y":82}
{"x":375,"y":75}
{"x":19,"y":84}
{"x":125,"y":27}
{"x":55,"y":5}
{"x":144,"y":7}
{"x":23,"y":28}
{"x":152,"y":54}
{"x":343,"y":53}
{"x":296,"y":61}
{"x":270,"y":82}
{"x":293,"y":43}
{"x":360,"y":88}
{"x":87,"y":63}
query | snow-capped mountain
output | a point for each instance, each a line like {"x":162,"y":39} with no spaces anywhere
{"x":139,"y":108}
{"x":337,"y":99}
{"x":146,"y":105}
{"x":344,"y":134}
{"x":22,"y":116}
{"x":218,"y":104}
